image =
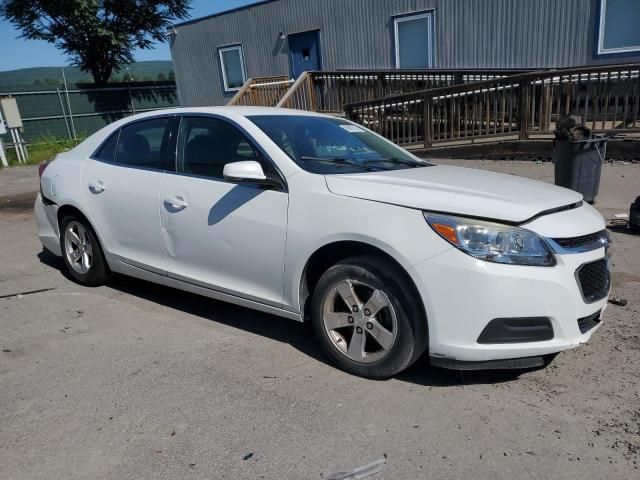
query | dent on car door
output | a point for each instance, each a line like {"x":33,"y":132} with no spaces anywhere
{"x":222,"y":235}
{"x":121,"y":184}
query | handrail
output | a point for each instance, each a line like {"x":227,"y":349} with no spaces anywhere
{"x":274,"y":88}
{"x":295,"y":91}
{"x":519,"y":76}
{"x":329,"y":91}
{"x":240,"y":93}
{"x":606,"y":97}
{"x":270,"y":84}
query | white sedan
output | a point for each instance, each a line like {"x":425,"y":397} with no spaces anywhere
{"x":318,"y":219}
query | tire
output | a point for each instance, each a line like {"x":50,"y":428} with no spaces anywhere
{"x":82,"y":253}
{"x":386,"y":331}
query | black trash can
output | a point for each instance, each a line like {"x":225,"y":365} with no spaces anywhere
{"x":634,"y":216}
{"x":578,"y":165}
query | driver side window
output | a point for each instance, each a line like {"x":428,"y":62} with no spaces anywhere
{"x":206,"y":145}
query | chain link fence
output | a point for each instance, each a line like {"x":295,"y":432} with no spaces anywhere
{"x":61,"y":113}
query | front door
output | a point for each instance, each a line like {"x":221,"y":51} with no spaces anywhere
{"x":304,"y":49}
{"x":121,"y":185}
{"x":217,"y":234}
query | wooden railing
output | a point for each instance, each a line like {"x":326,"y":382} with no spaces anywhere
{"x":263,"y":91}
{"x":520,"y":106}
{"x":328,"y":91}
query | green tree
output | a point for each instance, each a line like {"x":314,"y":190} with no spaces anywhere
{"x":128,"y":77}
{"x":172,"y":76}
{"x":99,"y":36}
{"x":161,"y":77}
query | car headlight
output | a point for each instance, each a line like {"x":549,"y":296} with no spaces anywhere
{"x":492,"y":242}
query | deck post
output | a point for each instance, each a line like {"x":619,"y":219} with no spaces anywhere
{"x":428,"y":122}
{"x":523,"y":108}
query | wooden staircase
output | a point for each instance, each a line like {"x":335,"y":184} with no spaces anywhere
{"x":262,"y":91}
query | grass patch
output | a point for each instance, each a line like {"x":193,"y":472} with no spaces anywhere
{"x":46,"y":148}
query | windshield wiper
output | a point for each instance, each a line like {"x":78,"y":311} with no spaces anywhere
{"x":399,"y":161}
{"x":336,"y":161}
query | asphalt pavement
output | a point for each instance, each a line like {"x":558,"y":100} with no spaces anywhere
{"x":133,"y":380}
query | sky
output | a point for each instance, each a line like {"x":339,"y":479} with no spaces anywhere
{"x":18,"y":53}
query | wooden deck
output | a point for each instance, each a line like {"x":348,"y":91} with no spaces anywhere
{"x":454,"y":107}
{"x":605,"y":98}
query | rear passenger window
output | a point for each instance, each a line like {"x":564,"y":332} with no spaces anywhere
{"x":107,"y":151}
{"x":141,"y":144}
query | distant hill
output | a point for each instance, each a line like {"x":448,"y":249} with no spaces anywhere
{"x":39,"y":77}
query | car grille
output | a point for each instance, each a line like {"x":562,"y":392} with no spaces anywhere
{"x":587,"y":323}
{"x":591,"y":241}
{"x":594,"y":280}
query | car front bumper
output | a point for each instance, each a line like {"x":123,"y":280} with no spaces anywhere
{"x":462,"y":295}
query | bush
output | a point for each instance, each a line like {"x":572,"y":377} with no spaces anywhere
{"x":43,"y":149}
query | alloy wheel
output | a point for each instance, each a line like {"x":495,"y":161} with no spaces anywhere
{"x":360,"y":321}
{"x":78,"y":248}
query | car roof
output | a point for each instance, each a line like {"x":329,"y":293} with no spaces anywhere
{"x":230,"y":111}
{"x":90,"y":144}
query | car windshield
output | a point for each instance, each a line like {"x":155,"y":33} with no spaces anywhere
{"x":331,"y":145}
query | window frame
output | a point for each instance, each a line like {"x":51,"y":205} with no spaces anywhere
{"x":405,"y":17}
{"x":116,"y":134}
{"x":254,"y":143}
{"x":164,"y":150}
{"x":601,"y":50}
{"x":223,"y":69}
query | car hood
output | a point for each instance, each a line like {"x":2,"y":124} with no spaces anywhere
{"x":456,"y":190}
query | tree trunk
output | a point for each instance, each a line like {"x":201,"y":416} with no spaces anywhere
{"x":101,"y":74}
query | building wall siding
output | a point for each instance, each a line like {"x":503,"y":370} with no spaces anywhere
{"x":358,"y":34}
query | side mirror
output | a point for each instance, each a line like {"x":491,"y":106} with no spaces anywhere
{"x":244,"y":171}
{"x":248,"y":171}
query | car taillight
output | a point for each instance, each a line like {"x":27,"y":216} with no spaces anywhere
{"x":42,"y":167}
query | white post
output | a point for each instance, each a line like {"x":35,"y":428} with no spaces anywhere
{"x":66,"y":92}
{"x":3,"y":130}
{"x":23,"y":146}
{"x":15,"y":144}
{"x":3,"y":157}
{"x":64,"y":113}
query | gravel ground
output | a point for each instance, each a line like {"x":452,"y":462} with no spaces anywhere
{"x":133,"y":380}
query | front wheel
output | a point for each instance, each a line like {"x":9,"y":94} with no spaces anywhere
{"x":366,"y":322}
{"x":81,"y":252}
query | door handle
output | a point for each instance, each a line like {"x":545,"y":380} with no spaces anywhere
{"x":96,"y":187}
{"x":177,"y":203}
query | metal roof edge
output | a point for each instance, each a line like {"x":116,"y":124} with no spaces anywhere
{"x":225,"y":12}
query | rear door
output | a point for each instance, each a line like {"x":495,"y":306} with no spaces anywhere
{"x":219,"y":234}
{"x":121,"y":186}
{"x":304,"y":49}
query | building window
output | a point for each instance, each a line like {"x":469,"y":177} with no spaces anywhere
{"x":232,"y":65}
{"x":618,"y":30}
{"x":414,"y":40}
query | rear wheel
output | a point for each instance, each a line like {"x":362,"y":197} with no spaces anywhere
{"x":81,"y":252}
{"x":364,"y":319}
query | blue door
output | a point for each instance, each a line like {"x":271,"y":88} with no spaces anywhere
{"x":304,"y":49}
